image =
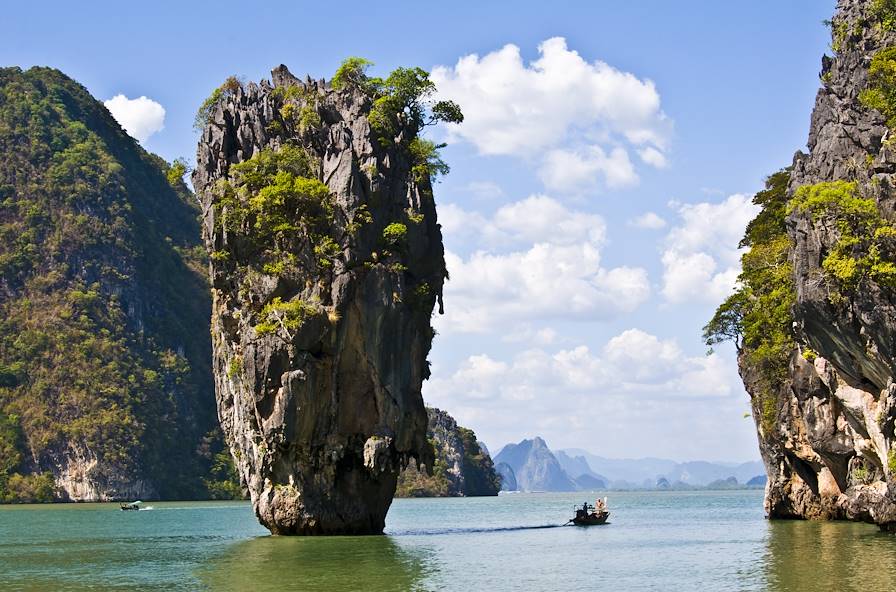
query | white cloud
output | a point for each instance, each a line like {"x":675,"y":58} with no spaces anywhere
{"x":648,"y":221}
{"x":140,"y":117}
{"x":540,"y":391}
{"x":579,"y":116}
{"x":701,"y":259}
{"x":572,"y":171}
{"x":653,"y":157}
{"x":553,"y":269}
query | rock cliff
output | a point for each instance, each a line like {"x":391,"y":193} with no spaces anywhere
{"x":462,"y":465}
{"x":326,"y":263}
{"x":826,"y":422}
{"x":534,"y":467}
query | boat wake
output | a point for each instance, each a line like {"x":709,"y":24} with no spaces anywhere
{"x":441,"y":531}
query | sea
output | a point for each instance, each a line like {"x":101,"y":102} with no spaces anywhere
{"x":670,"y":541}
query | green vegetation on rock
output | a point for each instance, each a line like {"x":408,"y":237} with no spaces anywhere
{"x":272,"y":205}
{"x":757,"y":317}
{"x":103,"y":350}
{"x":867,"y":241}
{"x":884,"y":11}
{"x":461,"y":467}
{"x":402,"y":106}
{"x":880,"y":94}
{"x":220,"y":94}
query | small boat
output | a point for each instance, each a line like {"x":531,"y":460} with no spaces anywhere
{"x":130,"y":506}
{"x":588,"y":515}
{"x":590,"y":518}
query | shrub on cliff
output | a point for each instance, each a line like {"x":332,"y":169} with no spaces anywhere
{"x":867,"y":241}
{"x":757,"y":316}
{"x":402,"y":106}
{"x":880,"y":94}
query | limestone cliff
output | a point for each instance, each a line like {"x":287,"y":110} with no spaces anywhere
{"x":827,"y":434}
{"x":326,"y":262}
{"x":534,"y":467}
{"x":462,"y":465}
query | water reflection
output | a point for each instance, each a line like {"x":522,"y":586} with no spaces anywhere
{"x":372,"y":564}
{"x":829,"y":556}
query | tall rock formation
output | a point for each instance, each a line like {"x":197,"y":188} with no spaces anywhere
{"x":826,"y":421}
{"x":105,"y":377}
{"x":462,"y":465}
{"x":535,"y":467}
{"x":326,"y":262}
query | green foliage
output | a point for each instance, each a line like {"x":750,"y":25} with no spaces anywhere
{"x":403,"y":101}
{"x":860,"y":474}
{"x":235,"y":367}
{"x":223,"y":482}
{"x":275,"y":207}
{"x":104,"y":290}
{"x":480,"y":477}
{"x":395,"y":234}
{"x":36,"y":488}
{"x":891,"y":462}
{"x":884,"y":11}
{"x":299,"y":108}
{"x":177,"y":170}
{"x":426,"y":161}
{"x":288,"y":316}
{"x":219,"y":95}
{"x":353,"y":72}
{"x":415,"y":483}
{"x":402,"y":106}
{"x":880,"y":94}
{"x":867,"y":242}
{"x":757,"y":316}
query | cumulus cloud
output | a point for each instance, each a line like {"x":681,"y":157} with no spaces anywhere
{"x":140,"y":117}
{"x":648,"y":221}
{"x":543,"y":390}
{"x":701,"y":258}
{"x":572,"y":171}
{"x":581,"y":118}
{"x":532,"y":259}
{"x":653,"y":157}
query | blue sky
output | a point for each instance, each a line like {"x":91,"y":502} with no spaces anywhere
{"x":571,"y":315}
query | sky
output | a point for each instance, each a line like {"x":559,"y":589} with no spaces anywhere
{"x":599,"y":184}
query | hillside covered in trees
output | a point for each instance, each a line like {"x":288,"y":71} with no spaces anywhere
{"x":105,"y":380}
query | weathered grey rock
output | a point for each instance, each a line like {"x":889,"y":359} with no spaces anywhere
{"x":535,"y":467}
{"x":508,"y":477}
{"x":466,"y":468}
{"x":827,"y":451}
{"x":321,"y":420}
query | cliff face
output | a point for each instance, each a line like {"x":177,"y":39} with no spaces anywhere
{"x":462,"y":465}
{"x":326,"y":262}
{"x":534,"y":466}
{"x":105,"y":375}
{"x":827,"y":438}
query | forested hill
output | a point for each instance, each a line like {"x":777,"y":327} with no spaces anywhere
{"x":105,"y":381}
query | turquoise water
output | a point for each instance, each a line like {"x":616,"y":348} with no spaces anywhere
{"x":715,"y":541}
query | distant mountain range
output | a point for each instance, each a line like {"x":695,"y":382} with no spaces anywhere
{"x":531,"y":465}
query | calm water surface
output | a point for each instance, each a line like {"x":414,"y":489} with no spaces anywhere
{"x":656,"y":541}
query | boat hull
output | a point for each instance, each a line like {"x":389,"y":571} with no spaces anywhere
{"x":591,"y":519}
